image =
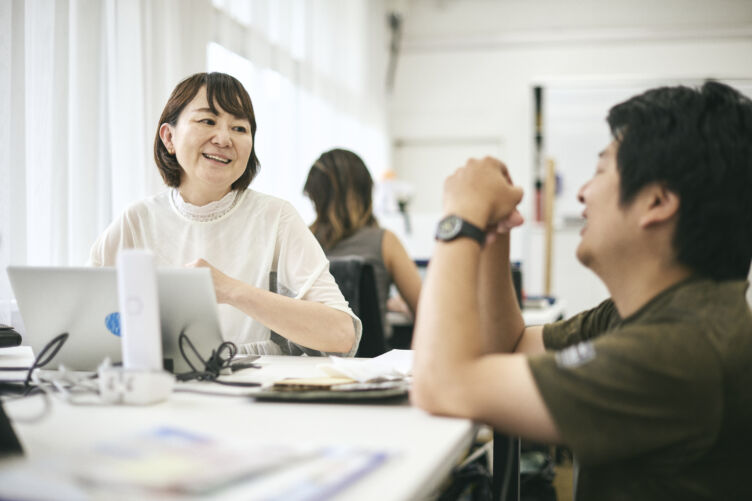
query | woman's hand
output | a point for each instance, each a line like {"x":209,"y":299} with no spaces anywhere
{"x":307,"y":323}
{"x":223,"y":284}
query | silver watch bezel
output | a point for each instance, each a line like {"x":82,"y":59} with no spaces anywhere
{"x":459,"y":228}
{"x":445,"y":232}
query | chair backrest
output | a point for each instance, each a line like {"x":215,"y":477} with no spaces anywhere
{"x":355,"y":278}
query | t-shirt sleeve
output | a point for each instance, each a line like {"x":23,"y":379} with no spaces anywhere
{"x":637,"y":390}
{"x":586,"y":325}
{"x":304,"y":270}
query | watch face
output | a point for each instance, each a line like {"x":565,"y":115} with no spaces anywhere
{"x":449,"y":227}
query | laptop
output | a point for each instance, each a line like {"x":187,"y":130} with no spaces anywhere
{"x":83,"y":301}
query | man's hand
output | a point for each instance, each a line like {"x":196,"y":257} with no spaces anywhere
{"x":482,"y":192}
{"x":223,"y":284}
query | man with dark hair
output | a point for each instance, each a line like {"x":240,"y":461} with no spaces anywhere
{"x":651,"y":388}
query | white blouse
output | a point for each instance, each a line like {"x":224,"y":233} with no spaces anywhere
{"x":255,"y":238}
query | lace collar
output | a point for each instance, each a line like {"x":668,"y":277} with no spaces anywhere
{"x":209,"y":212}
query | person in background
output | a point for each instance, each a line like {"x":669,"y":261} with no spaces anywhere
{"x":651,"y":388}
{"x":341,"y":189}
{"x":270,"y":275}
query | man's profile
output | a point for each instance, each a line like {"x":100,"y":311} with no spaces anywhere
{"x":651,"y":388}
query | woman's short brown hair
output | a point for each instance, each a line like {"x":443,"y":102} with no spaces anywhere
{"x":340,"y":187}
{"x":222,"y":90}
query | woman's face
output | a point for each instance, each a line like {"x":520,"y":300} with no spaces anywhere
{"x":213,"y":149}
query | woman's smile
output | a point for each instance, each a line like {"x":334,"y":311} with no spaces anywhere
{"x":217,"y":158}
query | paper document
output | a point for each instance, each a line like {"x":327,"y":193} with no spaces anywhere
{"x":393,"y":365}
{"x":318,"y":478}
{"x":179,"y":463}
{"x":174,"y":460}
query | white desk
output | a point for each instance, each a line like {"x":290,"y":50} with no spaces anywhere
{"x":531,"y":316}
{"x":428,"y":446}
{"x":545,"y":315}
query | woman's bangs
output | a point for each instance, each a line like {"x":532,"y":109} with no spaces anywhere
{"x":231,"y":99}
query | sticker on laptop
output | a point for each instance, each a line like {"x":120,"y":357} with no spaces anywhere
{"x":112,"y":321}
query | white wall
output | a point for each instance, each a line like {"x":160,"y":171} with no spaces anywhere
{"x":467,"y":68}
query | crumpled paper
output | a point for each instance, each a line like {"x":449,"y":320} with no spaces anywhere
{"x":393,"y":365}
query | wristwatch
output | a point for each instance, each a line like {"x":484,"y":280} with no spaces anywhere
{"x":451,"y":227}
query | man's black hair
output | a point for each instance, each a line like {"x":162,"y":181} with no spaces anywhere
{"x":698,"y":144}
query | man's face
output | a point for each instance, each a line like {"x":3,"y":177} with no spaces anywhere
{"x":609,"y":228}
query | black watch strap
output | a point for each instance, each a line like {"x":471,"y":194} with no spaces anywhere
{"x":452,"y":227}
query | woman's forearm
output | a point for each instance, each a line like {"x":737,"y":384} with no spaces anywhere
{"x":307,"y":323}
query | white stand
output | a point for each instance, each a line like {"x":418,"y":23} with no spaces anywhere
{"x":141,"y":380}
{"x":139,"y":310}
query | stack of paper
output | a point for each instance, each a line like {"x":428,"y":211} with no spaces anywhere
{"x":15,"y":356}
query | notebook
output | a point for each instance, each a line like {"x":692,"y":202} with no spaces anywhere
{"x":83,"y":302}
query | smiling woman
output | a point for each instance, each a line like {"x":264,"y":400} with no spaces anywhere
{"x":207,"y":124}
{"x":212,"y":146}
{"x":270,"y":275}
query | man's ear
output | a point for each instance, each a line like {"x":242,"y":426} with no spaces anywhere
{"x":661,"y":204}
{"x":165,"y":134}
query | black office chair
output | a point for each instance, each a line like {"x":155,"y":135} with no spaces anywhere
{"x":355,"y":278}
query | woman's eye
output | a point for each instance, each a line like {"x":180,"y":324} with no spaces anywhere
{"x":240,"y":128}
{"x":207,"y":121}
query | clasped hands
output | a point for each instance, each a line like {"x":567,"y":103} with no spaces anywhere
{"x":482,"y":192}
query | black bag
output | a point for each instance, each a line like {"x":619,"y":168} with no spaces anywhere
{"x":536,"y":477}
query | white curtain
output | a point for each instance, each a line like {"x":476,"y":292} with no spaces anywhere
{"x":82,"y":84}
{"x":80,"y":90}
{"x":315,"y":71}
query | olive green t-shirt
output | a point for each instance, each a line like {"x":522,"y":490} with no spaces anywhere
{"x":656,"y":406}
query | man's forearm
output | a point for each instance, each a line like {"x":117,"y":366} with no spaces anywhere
{"x":500,"y":317}
{"x":447,"y":326}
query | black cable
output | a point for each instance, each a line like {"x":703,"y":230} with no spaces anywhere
{"x":46,"y":401}
{"x":39,"y":362}
{"x":249,"y":384}
{"x":211,"y":368}
{"x":239,"y":366}
{"x":183,"y":338}
{"x":218,"y":361}
{"x":44,"y":357}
